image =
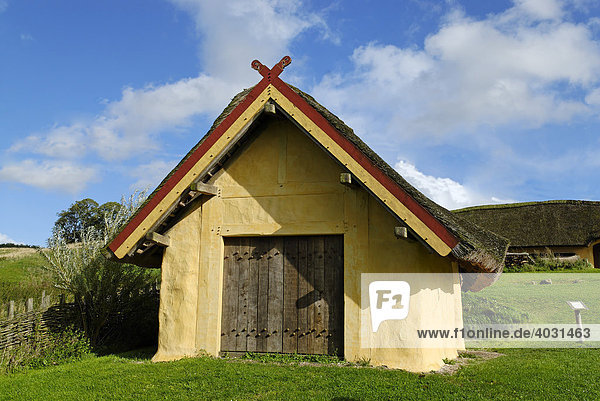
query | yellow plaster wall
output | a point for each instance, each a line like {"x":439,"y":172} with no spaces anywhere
{"x":179,"y":290}
{"x":435,"y":300}
{"x":282,"y":183}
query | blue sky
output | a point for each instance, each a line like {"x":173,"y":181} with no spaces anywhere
{"x":473,"y":102}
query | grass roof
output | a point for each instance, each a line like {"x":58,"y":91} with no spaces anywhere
{"x":540,"y":224}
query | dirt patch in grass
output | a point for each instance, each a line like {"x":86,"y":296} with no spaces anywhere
{"x":465,"y":358}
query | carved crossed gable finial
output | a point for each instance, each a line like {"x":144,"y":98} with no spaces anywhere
{"x":274,"y":72}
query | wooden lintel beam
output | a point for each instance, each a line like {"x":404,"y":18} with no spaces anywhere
{"x":159,"y":239}
{"x":204,"y":189}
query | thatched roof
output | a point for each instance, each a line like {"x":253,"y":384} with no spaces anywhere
{"x":540,"y":224}
{"x":477,"y":250}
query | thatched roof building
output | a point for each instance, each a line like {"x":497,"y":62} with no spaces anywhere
{"x":563,"y":226}
{"x":269,"y":229}
{"x":477,"y":249}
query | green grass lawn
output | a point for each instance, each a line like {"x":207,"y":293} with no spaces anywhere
{"x":542,"y":374}
{"x":566,"y":374}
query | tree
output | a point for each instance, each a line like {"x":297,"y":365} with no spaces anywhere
{"x":80,"y":215}
{"x":102,"y":289}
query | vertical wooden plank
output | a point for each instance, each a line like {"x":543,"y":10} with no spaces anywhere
{"x":11,"y":309}
{"x":275,"y":302}
{"x":317,"y":252}
{"x":290,"y":294}
{"x":263,"y":295}
{"x":230,"y":295}
{"x":305,"y":259}
{"x":337,"y":346}
{"x":242,"y":259}
{"x":329,"y":296}
{"x":320,"y":314}
{"x":253,"y":256}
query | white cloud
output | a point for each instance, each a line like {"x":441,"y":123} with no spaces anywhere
{"x":149,"y":175}
{"x":129,"y":126}
{"x":528,"y":65}
{"x":26,"y":37}
{"x":53,"y":175}
{"x":5,"y":239}
{"x":539,"y":9}
{"x":235,"y":32}
{"x":444,"y":191}
{"x":62,"y":142}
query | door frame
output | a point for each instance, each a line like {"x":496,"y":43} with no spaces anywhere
{"x":337,"y":277}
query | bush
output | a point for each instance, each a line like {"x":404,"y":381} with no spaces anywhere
{"x":107,"y":293}
{"x":547,"y":264}
{"x":45,"y":350}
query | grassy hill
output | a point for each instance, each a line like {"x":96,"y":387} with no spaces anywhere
{"x":22,"y":276}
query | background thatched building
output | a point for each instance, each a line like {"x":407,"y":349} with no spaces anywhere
{"x":564,"y":228}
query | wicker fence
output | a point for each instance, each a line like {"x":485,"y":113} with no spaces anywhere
{"x":13,"y":308}
{"x":34,"y":320}
{"x":46,"y":318}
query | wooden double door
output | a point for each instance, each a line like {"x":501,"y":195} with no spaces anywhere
{"x":283,"y":294}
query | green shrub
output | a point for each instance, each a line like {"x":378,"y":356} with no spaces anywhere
{"x":547,"y":264}
{"x":69,"y":345}
{"x":45,"y":349}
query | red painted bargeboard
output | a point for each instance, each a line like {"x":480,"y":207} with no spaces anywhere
{"x":187,"y":165}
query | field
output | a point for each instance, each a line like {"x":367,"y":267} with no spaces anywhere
{"x":547,"y":303}
{"x":19,"y":264}
{"x":519,"y":374}
{"x":22,"y":277}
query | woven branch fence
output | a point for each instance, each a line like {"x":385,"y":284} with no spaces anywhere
{"x":47,"y":318}
{"x":23,"y":321}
